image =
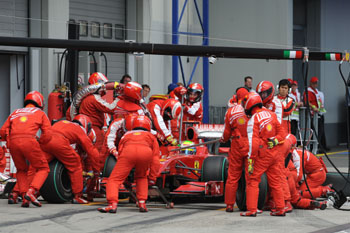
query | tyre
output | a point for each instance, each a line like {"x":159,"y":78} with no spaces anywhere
{"x":338,"y":182}
{"x":109,"y":165}
{"x":214,"y":168}
{"x":241,"y":194}
{"x":57,"y":187}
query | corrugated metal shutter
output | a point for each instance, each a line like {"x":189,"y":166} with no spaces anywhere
{"x":13,"y":20}
{"x":103,"y":11}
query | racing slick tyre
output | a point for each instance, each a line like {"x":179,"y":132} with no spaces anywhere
{"x":57,"y":187}
{"x":338,"y":182}
{"x":241,"y":194}
{"x":214,"y":168}
{"x":109,"y":165}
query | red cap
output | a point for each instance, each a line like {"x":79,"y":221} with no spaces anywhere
{"x":290,"y":81}
{"x":314,"y":80}
{"x":295,"y":82}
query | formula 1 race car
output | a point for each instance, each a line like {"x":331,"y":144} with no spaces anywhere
{"x":183,"y":172}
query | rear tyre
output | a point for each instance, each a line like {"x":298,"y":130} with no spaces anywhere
{"x":57,"y":187}
{"x":338,"y":182}
{"x":109,"y":165}
{"x":241,"y":194}
{"x":214,"y":168}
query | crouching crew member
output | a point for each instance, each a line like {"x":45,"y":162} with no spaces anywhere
{"x":20,"y":130}
{"x":138,"y":148}
{"x":64,"y":134}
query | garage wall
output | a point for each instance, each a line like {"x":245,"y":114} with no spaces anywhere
{"x":13,"y":22}
{"x":249,"y":23}
{"x":333,"y":35}
{"x":101,"y":11}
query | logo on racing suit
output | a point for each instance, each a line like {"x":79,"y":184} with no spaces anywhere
{"x":269,"y":127}
{"x":241,"y":121}
{"x":23,"y":119}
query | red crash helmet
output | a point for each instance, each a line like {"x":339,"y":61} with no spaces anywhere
{"x":97,"y":77}
{"x":133,"y":90}
{"x":292,"y":139}
{"x":194,"y":88}
{"x":266,"y":90}
{"x":35,"y":98}
{"x":141,"y":122}
{"x":128,"y":121}
{"x":92,"y":136}
{"x":83,"y":121}
{"x":251,"y":101}
{"x":171,"y":109}
{"x":241,"y":92}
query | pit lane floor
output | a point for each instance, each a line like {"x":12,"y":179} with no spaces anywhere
{"x":185,"y":217}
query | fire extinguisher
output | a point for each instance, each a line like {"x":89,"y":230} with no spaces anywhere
{"x":56,"y":104}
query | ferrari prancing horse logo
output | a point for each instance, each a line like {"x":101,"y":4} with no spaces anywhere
{"x":196,"y":165}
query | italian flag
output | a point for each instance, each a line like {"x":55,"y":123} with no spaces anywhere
{"x":333,"y":56}
{"x":292,"y":54}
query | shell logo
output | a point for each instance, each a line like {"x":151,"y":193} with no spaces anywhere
{"x":65,"y":121}
{"x":269,"y":127}
{"x":241,"y":121}
{"x":23,"y":119}
{"x":137,"y":133}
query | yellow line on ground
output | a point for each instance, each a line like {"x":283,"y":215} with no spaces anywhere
{"x":103,"y":202}
{"x":95,"y":203}
{"x":332,"y":153}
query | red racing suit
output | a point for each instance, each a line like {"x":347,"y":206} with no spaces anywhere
{"x":113,"y":135}
{"x":138,"y":149}
{"x":21,"y":127}
{"x":276,"y":106}
{"x":161,"y":126}
{"x":314,"y":169}
{"x":262,"y":126}
{"x":193,"y":111}
{"x":288,"y":105}
{"x":2,"y":160}
{"x":126,"y":106}
{"x":94,"y":107}
{"x":297,"y":199}
{"x":64,"y":134}
{"x":315,"y":101}
{"x":235,"y":129}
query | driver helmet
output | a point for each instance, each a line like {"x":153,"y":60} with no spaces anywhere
{"x":190,"y":150}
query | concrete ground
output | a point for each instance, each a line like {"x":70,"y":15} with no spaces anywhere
{"x":185,"y":217}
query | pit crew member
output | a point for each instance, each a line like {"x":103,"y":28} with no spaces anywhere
{"x":19,"y":130}
{"x":138,"y":148}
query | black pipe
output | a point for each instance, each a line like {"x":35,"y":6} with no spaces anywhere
{"x":106,"y":63}
{"x":73,"y":57}
{"x":162,"y":49}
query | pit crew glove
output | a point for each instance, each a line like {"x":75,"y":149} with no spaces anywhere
{"x":114,"y":152}
{"x":250,"y":166}
{"x":182,"y":90}
{"x":160,"y":137}
{"x":171,"y":140}
{"x":89,"y":174}
{"x":272,"y":142}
